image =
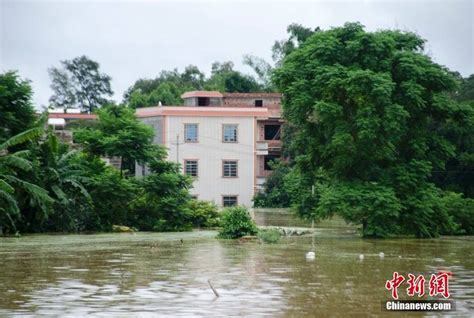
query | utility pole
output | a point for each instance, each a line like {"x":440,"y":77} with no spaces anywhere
{"x":177,"y":148}
{"x":177,"y":143}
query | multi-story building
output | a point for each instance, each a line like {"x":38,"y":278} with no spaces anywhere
{"x":225,"y":141}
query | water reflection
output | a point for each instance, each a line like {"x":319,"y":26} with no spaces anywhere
{"x":148,"y":274}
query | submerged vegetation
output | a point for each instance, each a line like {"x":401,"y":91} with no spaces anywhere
{"x":236,"y":222}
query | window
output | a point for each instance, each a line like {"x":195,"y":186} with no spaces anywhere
{"x":229,"y":168}
{"x":272,"y":132}
{"x":229,"y":133}
{"x":191,"y":168}
{"x":203,"y":101}
{"x":190,"y":132}
{"x":229,"y":200}
{"x":258,"y":103}
{"x":267,"y":160}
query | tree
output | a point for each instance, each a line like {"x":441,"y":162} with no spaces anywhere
{"x":224,"y":78}
{"x":166,"y":88}
{"x":369,"y":107}
{"x":79,"y":83}
{"x":64,"y":178}
{"x":298,"y":35}
{"x":17,"y":112}
{"x":263,"y":70}
{"x":457,"y":175}
{"x":466,"y":90}
{"x":119,"y":133}
{"x":15,"y":190}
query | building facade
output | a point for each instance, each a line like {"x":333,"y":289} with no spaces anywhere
{"x":224,"y":141}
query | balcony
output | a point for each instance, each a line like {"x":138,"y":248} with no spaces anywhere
{"x":262,"y":148}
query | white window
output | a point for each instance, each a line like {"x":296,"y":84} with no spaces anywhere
{"x":229,"y":200}
{"x":229,"y":168}
{"x":190,"y":132}
{"x":229,"y":133}
{"x":191,"y":168}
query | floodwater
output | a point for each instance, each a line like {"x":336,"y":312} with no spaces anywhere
{"x":157,"y":274}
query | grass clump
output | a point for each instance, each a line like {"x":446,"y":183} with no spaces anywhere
{"x":269,"y":235}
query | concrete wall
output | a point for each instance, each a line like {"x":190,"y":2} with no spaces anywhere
{"x":210,"y":151}
{"x":193,"y":101}
{"x":268,"y":102}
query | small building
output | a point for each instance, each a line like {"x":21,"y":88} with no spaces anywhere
{"x":224,"y":141}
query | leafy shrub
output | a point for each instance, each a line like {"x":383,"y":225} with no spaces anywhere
{"x":236,"y":222}
{"x":269,"y":235}
{"x":203,"y":213}
{"x":461,"y":211}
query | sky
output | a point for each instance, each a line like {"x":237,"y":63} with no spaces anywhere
{"x":138,"y":39}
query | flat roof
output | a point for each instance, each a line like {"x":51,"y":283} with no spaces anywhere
{"x":207,"y":111}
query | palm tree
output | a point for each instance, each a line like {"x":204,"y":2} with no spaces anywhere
{"x":64,"y":177}
{"x":12,"y":186}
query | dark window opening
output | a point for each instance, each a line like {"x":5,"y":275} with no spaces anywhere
{"x":203,"y":101}
{"x":258,"y":103}
{"x":268,"y":161}
{"x":229,"y":200}
{"x":272,"y":132}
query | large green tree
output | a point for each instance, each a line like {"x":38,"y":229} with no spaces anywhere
{"x":79,"y":83}
{"x":119,"y":133}
{"x":370,"y":108}
{"x":16,"y":110}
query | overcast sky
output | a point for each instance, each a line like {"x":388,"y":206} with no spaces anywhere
{"x":138,"y":39}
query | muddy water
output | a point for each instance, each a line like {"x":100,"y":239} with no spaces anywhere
{"x":123,"y":275}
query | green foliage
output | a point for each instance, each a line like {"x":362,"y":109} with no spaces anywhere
{"x":271,"y":236}
{"x":168,"y":86}
{"x":369,"y":108}
{"x":236,"y":222}
{"x":275,"y":193}
{"x":15,"y":189}
{"x":112,"y":195}
{"x":466,"y":89}
{"x":203,"y":213}
{"x":118,"y":133}
{"x":163,"y":204}
{"x":16,"y":111}
{"x":461,"y":211}
{"x":79,"y":83}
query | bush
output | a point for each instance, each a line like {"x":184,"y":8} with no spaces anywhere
{"x":236,"y":222}
{"x":461,"y":211}
{"x":269,"y":235}
{"x":203,"y":213}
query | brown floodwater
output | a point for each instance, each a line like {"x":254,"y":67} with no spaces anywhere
{"x":155,"y":274}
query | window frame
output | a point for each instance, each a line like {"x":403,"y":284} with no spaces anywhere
{"x":197,"y":133}
{"x":230,"y":196}
{"x":185,"y":167}
{"x":258,"y":101}
{"x":236,"y":133}
{"x":236,"y":168}
{"x":278,"y":132}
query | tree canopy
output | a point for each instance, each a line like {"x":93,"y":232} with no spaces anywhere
{"x":168,"y":86}
{"x":370,"y":109}
{"x":16,"y":110}
{"x":79,"y":84}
